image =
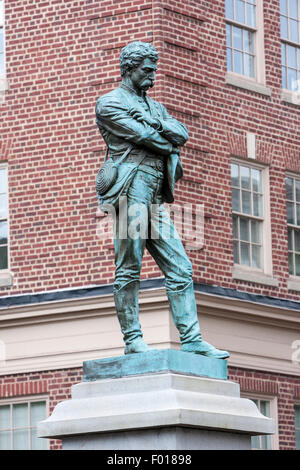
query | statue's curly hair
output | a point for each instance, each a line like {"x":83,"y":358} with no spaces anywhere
{"x":134,"y":53}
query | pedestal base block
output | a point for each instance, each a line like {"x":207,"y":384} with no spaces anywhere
{"x":165,"y":406}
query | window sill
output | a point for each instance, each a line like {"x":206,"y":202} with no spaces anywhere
{"x":3,"y":84}
{"x":294,"y":283}
{"x":250,"y":85}
{"x":6,"y":278}
{"x":290,"y":97}
{"x":256,"y":277}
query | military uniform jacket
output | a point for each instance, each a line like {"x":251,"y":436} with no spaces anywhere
{"x":120,"y":130}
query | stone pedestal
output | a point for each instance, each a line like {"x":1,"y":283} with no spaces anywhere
{"x":158,"y":400}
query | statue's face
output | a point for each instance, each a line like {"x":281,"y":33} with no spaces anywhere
{"x":144,"y":75}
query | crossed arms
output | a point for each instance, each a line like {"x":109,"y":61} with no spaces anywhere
{"x":161,"y":135}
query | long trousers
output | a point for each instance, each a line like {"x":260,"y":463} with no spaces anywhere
{"x":148,"y":225}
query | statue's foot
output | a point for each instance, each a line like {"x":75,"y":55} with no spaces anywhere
{"x":137,"y":346}
{"x":204,"y":348}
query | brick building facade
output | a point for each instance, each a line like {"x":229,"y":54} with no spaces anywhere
{"x":230,"y":71}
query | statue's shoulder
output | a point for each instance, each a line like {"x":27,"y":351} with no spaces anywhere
{"x":113,"y":95}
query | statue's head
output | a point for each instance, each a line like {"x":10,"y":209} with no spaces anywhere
{"x":134,"y":54}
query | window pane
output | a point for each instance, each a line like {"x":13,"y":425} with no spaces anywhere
{"x":290,"y":213}
{"x":265,"y":408}
{"x":238,"y":62}
{"x":255,"y":442}
{"x":245,"y":254}
{"x":249,"y":41}
{"x":235,"y":175}
{"x":2,"y":68}
{"x":256,"y":181}
{"x":290,"y":240}
{"x":249,"y":66}
{"x":293,"y":8}
{"x":5,"y":440}
{"x":229,"y":60}
{"x":4,"y":417}
{"x":3,"y":206}
{"x":297,"y":265}
{"x":297,"y":190}
{"x":20,"y":415}
{"x":37,"y":412}
{"x":246,"y":202}
{"x":297,"y":435}
{"x":298,"y":214}
{"x":284,"y":78}
{"x":256,"y":256}
{"x":235,"y":227}
{"x":292,"y":79}
{"x":1,"y":40}
{"x":21,"y":441}
{"x":255,"y":231}
{"x":265,"y":442}
{"x":283,"y":7}
{"x":3,"y":233}
{"x":244,"y":230}
{"x":297,"y":240}
{"x":291,"y":263}
{"x":294,"y":31}
{"x":238,"y":38}
{"x":297,"y":416}
{"x":289,"y":189}
{"x":229,"y":9}
{"x":37,"y":443}
{"x":3,"y":180}
{"x":251,"y":15}
{"x":245,"y":177}
{"x":292,"y":56}
{"x":228,"y":35}
{"x":236,"y":252}
{"x":236,"y":200}
{"x":3,"y":257}
{"x":283,"y":61}
{"x":240,"y":11}
{"x":283,"y":27}
{"x":257,"y":205}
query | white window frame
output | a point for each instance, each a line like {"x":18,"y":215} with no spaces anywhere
{"x":265,"y":274}
{"x":293,"y":281}
{"x":273,"y":412}
{"x":26,"y":399}
{"x":257,"y":84}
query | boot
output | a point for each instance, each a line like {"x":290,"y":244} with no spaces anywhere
{"x":184,"y":313}
{"x":127,"y":306}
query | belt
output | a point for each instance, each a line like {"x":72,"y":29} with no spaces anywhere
{"x":154,"y":163}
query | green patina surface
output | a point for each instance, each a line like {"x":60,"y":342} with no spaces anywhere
{"x":155,"y":361}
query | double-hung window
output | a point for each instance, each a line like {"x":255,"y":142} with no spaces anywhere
{"x":2,"y":53}
{"x":18,"y":423}
{"x":290,"y":44}
{"x":3,"y":219}
{"x":241,"y":27}
{"x":293,"y":221}
{"x":248,"y":215}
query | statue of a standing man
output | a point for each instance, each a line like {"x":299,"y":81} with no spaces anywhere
{"x":140,"y":132}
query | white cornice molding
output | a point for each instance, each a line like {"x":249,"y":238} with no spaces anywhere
{"x":150,"y":299}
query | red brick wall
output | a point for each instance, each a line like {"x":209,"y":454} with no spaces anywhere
{"x":56,"y":386}
{"x":60,"y":57}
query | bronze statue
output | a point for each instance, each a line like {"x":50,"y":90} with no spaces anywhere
{"x":144,"y":143}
